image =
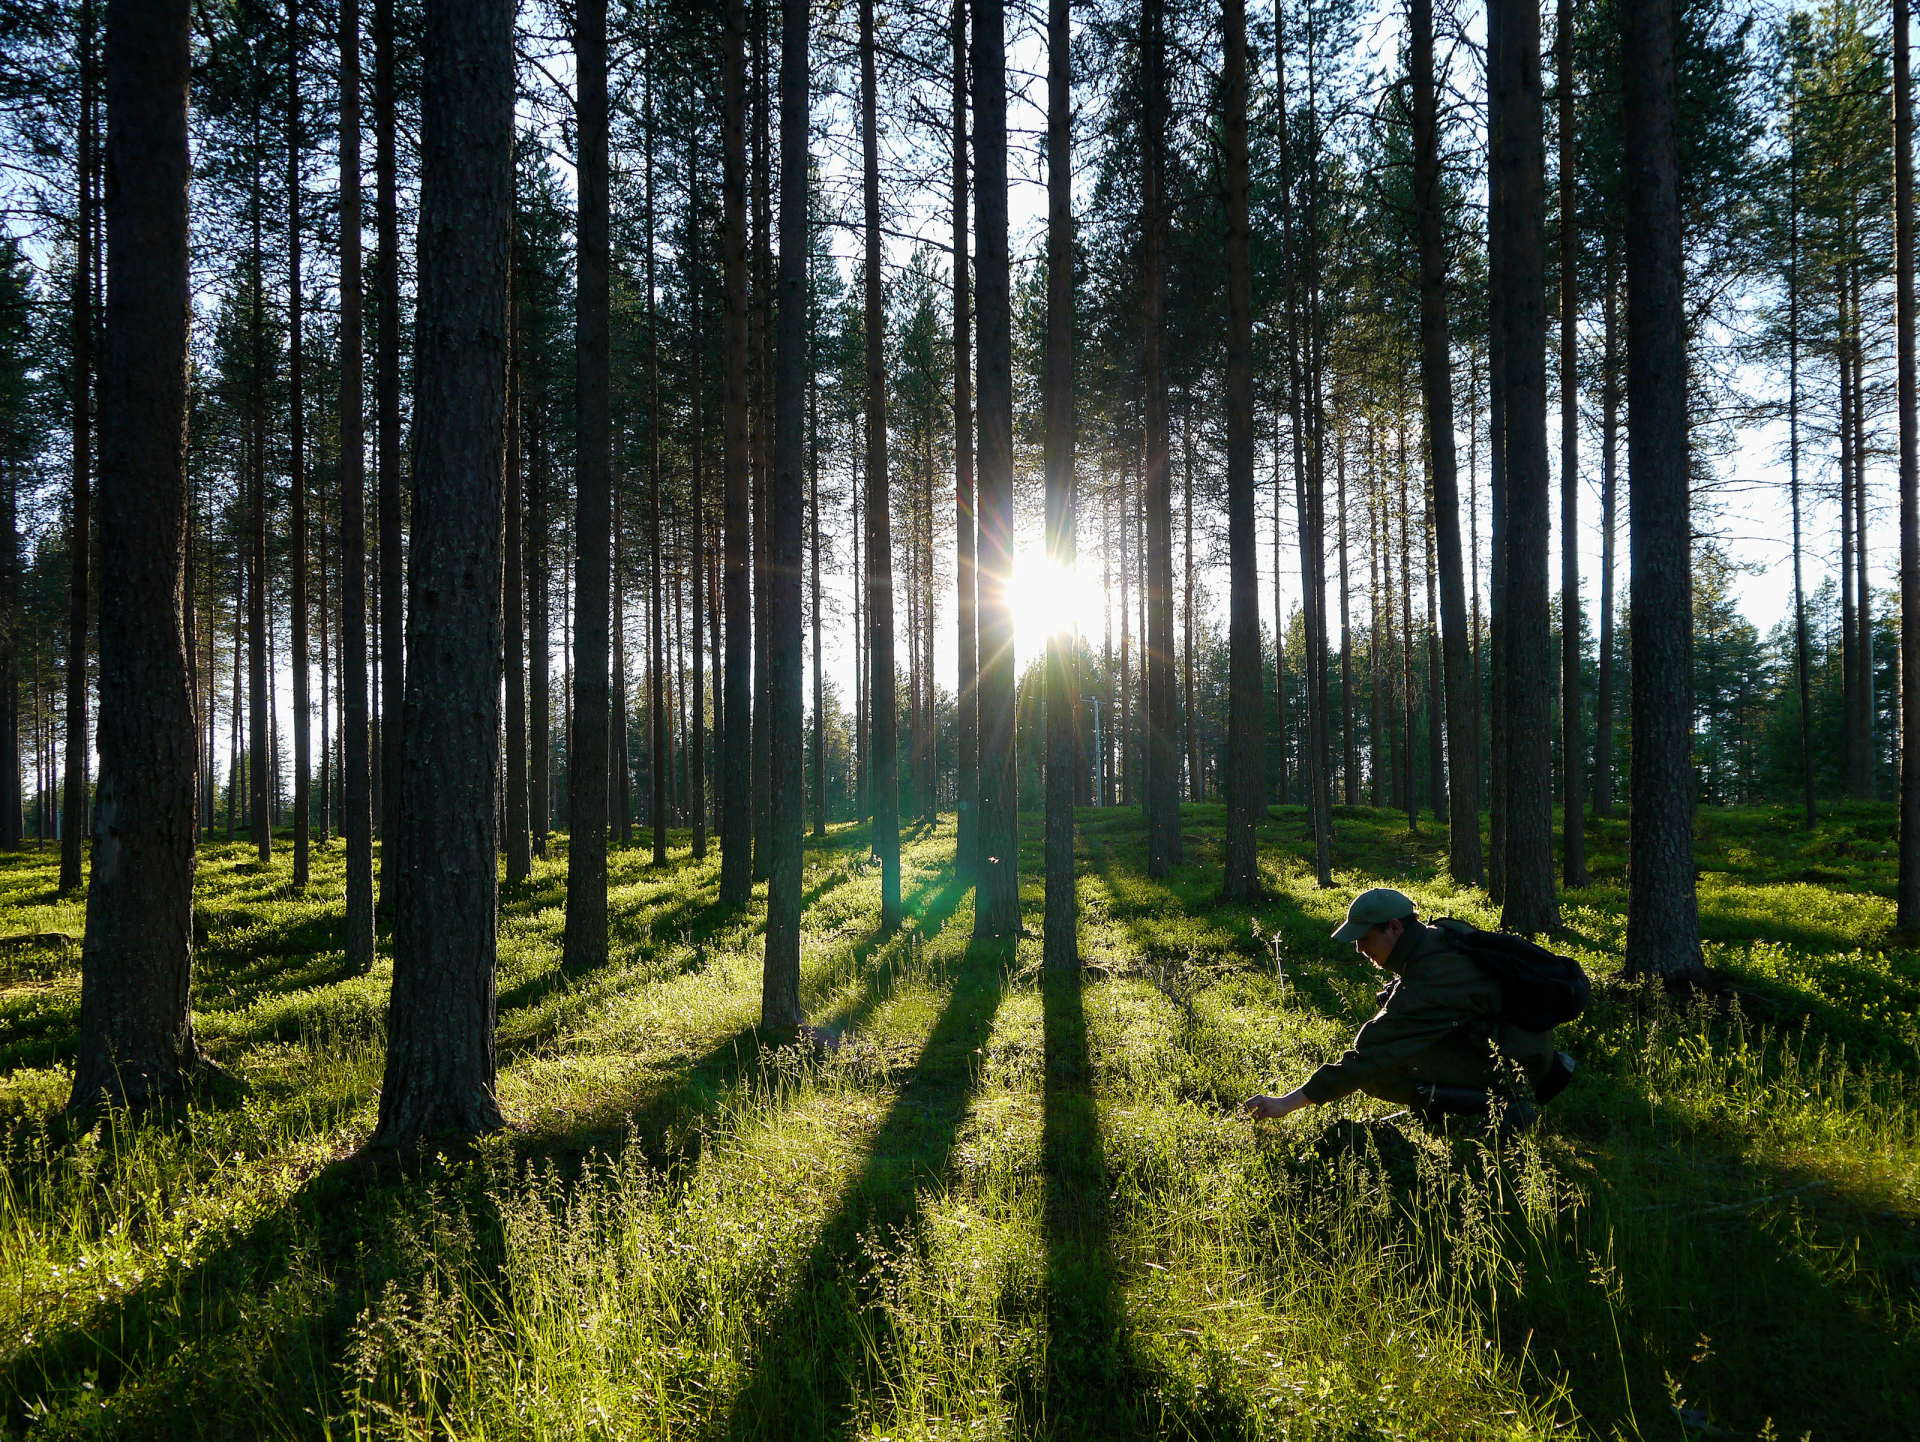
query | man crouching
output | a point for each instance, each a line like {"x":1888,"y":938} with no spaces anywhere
{"x":1438,"y":1044}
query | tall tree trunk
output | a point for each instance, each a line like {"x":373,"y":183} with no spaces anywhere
{"x":297,"y":477}
{"x":759,"y":322}
{"x":658,"y":663}
{"x":1572,"y":789}
{"x":1196,"y":791}
{"x":1864,"y":748}
{"x":1850,"y":703}
{"x":996,"y":909}
{"x":1349,"y":778}
{"x":780,"y":979}
{"x":966,"y":624}
{"x":1281,"y":627}
{"x":136,"y":1022}
{"x":1060,"y":944}
{"x":1663,"y":925}
{"x":1907,"y":919}
{"x":1609,"y":490}
{"x":856,"y":523}
{"x":1126,"y":648}
{"x":1246,"y":790}
{"x":697,"y":736}
{"x":882,"y":709}
{"x":1518,"y":228}
{"x":356,"y":811}
{"x":1312,"y":552}
{"x":813,"y":555}
{"x":389,"y":818}
{"x":1410,"y":787}
{"x":73,"y":811}
{"x":260,"y":773}
{"x":1802,"y":658}
{"x":540,"y":637}
{"x":440,"y":1043}
{"x":1436,"y":689}
{"x":514,"y":611}
{"x":1464,"y":861}
{"x":619,"y":732}
{"x":736,"y":793}
{"x":1497,"y":607}
{"x":1156,"y":480}
{"x":588,"y":747}
{"x":12,"y":799}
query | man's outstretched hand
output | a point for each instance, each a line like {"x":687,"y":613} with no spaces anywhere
{"x":1268,"y":1109}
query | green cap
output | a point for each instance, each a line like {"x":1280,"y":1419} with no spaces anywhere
{"x":1373,"y":907}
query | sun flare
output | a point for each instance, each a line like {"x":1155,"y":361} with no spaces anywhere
{"x":1048,"y":597}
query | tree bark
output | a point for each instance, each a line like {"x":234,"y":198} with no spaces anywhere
{"x":73,"y":809}
{"x":514,"y":610}
{"x":697,"y":736}
{"x":388,"y":818}
{"x":1060,"y":944}
{"x":260,"y":777}
{"x":780,"y":978}
{"x":1572,"y":788}
{"x":356,"y":810}
{"x":882,"y":709}
{"x":1907,"y":918}
{"x":297,"y":478}
{"x":1464,"y":861}
{"x":759,"y":380}
{"x":136,"y":1024}
{"x":1663,"y":926}
{"x":813,"y":555}
{"x":540,"y":637}
{"x":589,"y":743}
{"x":1603,"y":705}
{"x":966,"y":624}
{"x":440,"y":1026}
{"x":1497,"y":606}
{"x":657,"y":665}
{"x":12,"y":799}
{"x":1519,"y":154}
{"x":736,"y":794}
{"x":996,"y":909}
{"x":1246,"y":791}
{"x":1156,"y":481}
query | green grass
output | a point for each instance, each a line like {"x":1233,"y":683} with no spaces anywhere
{"x":1008,"y":1204}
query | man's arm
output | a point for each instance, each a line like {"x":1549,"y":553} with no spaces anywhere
{"x":1270,"y":1109}
{"x":1410,"y":1022}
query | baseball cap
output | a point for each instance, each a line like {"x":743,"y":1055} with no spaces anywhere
{"x":1373,"y":907}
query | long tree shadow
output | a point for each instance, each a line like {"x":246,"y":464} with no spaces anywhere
{"x":807,"y":1376}
{"x":1085,"y":1366}
{"x":669,"y":1120}
{"x":193,"y":1350}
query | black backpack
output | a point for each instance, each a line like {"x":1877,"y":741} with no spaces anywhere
{"x":1539,"y":989}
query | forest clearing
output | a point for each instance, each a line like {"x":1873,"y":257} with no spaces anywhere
{"x":1008,"y":1203}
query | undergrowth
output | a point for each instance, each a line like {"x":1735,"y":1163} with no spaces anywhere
{"x":1003,"y":1202}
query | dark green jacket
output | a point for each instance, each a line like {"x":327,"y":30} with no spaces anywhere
{"x":1438,"y":995}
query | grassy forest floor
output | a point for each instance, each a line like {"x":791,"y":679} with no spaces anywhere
{"x":1007,"y":1204}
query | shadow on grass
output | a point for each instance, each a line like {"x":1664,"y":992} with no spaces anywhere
{"x":201,"y":1350}
{"x":819,"y":1357}
{"x":1755,"y":1293}
{"x":1086,"y":1370}
{"x":671,"y":1118}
